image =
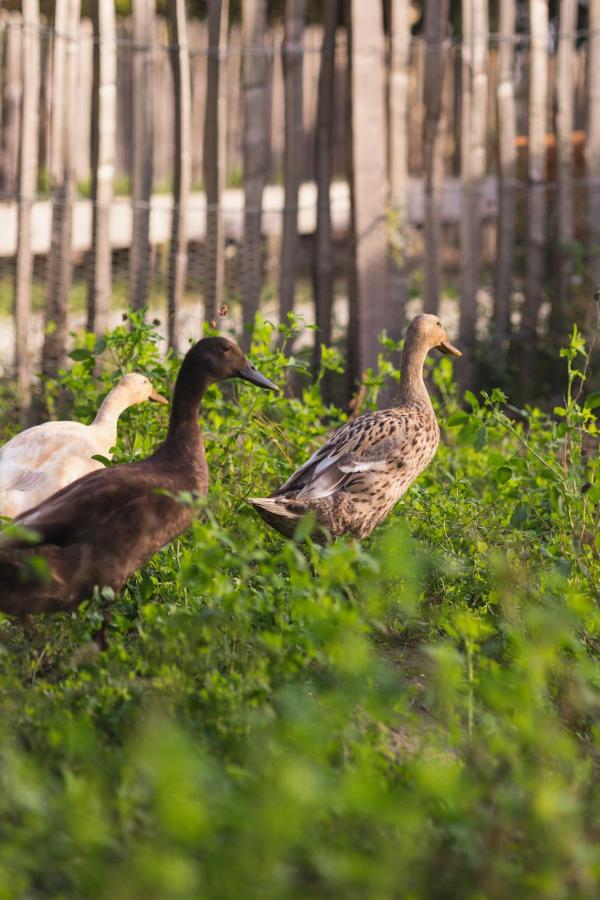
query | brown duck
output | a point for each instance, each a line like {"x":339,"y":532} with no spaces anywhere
{"x":102,"y":527}
{"x":353,"y":481}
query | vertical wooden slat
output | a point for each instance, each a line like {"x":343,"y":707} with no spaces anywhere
{"x":3,"y":24}
{"x":323,"y":279}
{"x":182,"y":174}
{"x":507,"y":171}
{"x":340,"y":149}
{"x":103,"y":139}
{"x":256,"y":131}
{"x":11,"y":113}
{"x":62,"y":174}
{"x":565,"y":118}
{"x":417,"y":83}
{"x":215,"y":148}
{"x":28,"y":166}
{"x":536,"y":212}
{"x":125,"y":54}
{"x":84,"y":100}
{"x":311,"y":72}
{"x":293,"y":156}
{"x":276,"y":42}
{"x":162,"y":103}
{"x":142,"y":150}
{"x":198,"y":38}
{"x":234,"y":129}
{"x":398,"y":125}
{"x":369,"y":182}
{"x":473,"y":161}
{"x":592,"y":154}
{"x":436,"y":23}
{"x":45,"y":109}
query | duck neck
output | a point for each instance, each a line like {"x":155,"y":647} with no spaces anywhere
{"x":190,"y":387}
{"x":412,"y":385}
{"x":107,"y":416}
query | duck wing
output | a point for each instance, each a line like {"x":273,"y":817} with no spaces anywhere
{"x":33,"y":448}
{"x":86,"y":504}
{"x":357,"y":452}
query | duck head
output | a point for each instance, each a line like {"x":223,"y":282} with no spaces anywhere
{"x":428,"y":332}
{"x":137,"y":388}
{"x":221,"y":358}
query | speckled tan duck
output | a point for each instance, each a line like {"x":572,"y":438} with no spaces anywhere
{"x":354,"y":480}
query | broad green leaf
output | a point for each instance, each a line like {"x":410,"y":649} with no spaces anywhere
{"x":592,"y":401}
{"x":503,"y":474}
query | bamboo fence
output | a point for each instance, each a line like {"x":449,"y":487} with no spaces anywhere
{"x":363,"y":168}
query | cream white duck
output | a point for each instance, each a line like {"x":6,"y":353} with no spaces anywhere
{"x":41,"y":460}
{"x":354,"y":480}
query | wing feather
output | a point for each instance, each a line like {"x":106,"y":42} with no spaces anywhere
{"x":359,"y":447}
{"x":100,"y":494}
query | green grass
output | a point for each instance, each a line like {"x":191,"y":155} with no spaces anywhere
{"x":413,"y":717}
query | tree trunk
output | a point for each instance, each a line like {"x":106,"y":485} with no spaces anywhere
{"x":142,"y":150}
{"x":565,"y":120}
{"x":507,"y":133}
{"x":323,"y":277}
{"x":104,"y":126}
{"x":368,"y":184}
{"x":473,"y":161}
{"x":593,"y":142}
{"x":256,"y":145}
{"x":399,"y":125}
{"x":180,"y":61}
{"x":292,"y":51}
{"x":214,"y":156}
{"x":536,"y":213}
{"x":62,"y":174}
{"x":436,"y":23}
{"x":28,"y":168}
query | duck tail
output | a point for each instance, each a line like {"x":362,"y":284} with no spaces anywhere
{"x":276,"y":513}
{"x":273,"y":505}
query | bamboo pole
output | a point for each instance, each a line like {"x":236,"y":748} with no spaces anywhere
{"x":232,"y":73}
{"x":142,"y":150}
{"x":182,"y":182}
{"x":593,"y":142}
{"x":565,"y":121}
{"x":256,"y":136}
{"x":368,"y":184}
{"x":214,"y":155}
{"x":507,"y":171}
{"x":398,"y":132}
{"x":3,"y":27}
{"x":198,"y":38}
{"x":292,"y":50}
{"x":104,"y":127}
{"x":28,"y":167}
{"x":473,"y":162}
{"x":323,"y":266}
{"x":11,"y":112}
{"x":84,"y":99}
{"x":536,"y":212}
{"x":62,"y":174}
{"x":436,"y":23}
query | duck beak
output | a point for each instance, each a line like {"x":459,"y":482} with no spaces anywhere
{"x":158,"y":398}
{"x":448,"y":348}
{"x":250,"y":373}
